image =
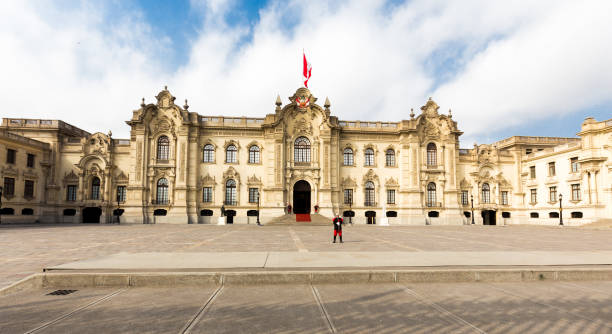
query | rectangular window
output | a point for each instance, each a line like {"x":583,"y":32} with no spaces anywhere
{"x":207,"y":194}
{"x":71,"y":192}
{"x":348,"y":196}
{"x":464,"y":197}
{"x":348,"y":157}
{"x":575,"y":192}
{"x":391,"y":196}
{"x":121,"y":194}
{"x":528,"y":150}
{"x":534,"y":196}
{"x":504,"y":198}
{"x":369,"y":197}
{"x":10,"y":156}
{"x":28,"y":189}
{"x":574,"y":165}
{"x":30,"y":162}
{"x":532,"y":172}
{"x":253,"y":194}
{"x":552,"y":194}
{"x":551,"y":169}
{"x":9,"y":186}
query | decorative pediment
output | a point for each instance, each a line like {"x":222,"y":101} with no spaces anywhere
{"x":370,"y":176}
{"x":254,"y":181}
{"x":71,"y":178}
{"x":9,"y":170}
{"x":121,"y":177}
{"x":29,"y":175}
{"x":208,"y":141}
{"x":303,"y":127}
{"x":349,"y":182}
{"x":391,"y":183}
{"x":231,"y":173}
{"x":207,"y":180}
{"x":503,"y":182}
{"x":254,"y":143}
{"x":165,"y":99}
{"x":464,"y":184}
{"x":97,"y":144}
{"x":231,"y":142}
{"x":430,"y":109}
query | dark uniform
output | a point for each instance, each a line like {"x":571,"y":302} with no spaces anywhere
{"x":338,"y":227}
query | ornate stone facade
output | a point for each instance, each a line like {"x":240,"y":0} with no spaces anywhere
{"x":181,"y":167}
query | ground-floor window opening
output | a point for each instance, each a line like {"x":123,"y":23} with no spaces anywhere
{"x":160,"y":212}
{"x":433,"y":214}
{"x":252,"y":213}
{"x":534,"y":215}
{"x":348,"y":214}
{"x":553,"y":215}
{"x":576,"y":214}
{"x":7,"y":211}
{"x":391,"y":213}
{"x":505,"y":214}
{"x":69,"y":212}
{"x":206,"y":213}
{"x":467,"y":214}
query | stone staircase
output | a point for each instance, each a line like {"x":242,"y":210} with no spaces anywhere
{"x":289,"y":220}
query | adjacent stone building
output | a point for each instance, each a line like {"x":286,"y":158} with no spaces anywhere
{"x":182,"y":167}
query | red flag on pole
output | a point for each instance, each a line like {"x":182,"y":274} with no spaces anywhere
{"x":307,"y":70}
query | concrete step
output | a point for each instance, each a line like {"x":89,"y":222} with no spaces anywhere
{"x":289,"y":219}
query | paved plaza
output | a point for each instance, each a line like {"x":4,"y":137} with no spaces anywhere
{"x":486,"y":306}
{"x":28,"y":249}
{"x":552,"y":307}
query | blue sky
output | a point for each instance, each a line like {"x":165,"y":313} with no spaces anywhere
{"x":520,"y":68}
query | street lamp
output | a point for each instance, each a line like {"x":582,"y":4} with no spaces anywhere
{"x":258,"y":223}
{"x":351,"y":208}
{"x":472,"y":198}
{"x":560,"y":210}
{"x":0,"y":205}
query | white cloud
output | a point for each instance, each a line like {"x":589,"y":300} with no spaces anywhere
{"x":517,"y":60}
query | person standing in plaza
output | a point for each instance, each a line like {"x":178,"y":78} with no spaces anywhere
{"x":337,"y":222}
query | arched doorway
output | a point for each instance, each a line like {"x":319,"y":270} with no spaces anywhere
{"x":92,"y":215}
{"x":488,"y":217}
{"x":230,"y":214}
{"x":371,"y":216}
{"x":301,"y":197}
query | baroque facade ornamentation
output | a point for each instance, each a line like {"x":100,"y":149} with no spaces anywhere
{"x":512,"y":181}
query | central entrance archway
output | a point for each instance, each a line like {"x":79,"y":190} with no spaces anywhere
{"x":488,"y":217}
{"x":92,"y":215}
{"x":301,"y":197}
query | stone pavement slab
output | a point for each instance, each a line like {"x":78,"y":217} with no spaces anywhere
{"x":263,"y":309}
{"x":143,"y":310}
{"x":290,"y":260}
{"x":25,"y":311}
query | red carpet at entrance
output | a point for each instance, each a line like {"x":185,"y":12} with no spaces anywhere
{"x":302,"y":217}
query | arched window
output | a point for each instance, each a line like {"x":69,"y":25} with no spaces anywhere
{"x":208,"y":153}
{"x":431,"y":194}
{"x":390,"y":158}
{"x":301,"y":150}
{"x":370,"y":199}
{"x":230,"y":192}
{"x":95,"y":188}
{"x":431,"y":154}
{"x":486,"y":193}
{"x":163,"y":148}
{"x":369,"y":157}
{"x":162,"y":191}
{"x":348,"y":157}
{"x":254,"y":154}
{"x":231,"y":154}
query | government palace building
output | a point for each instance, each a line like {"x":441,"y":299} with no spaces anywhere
{"x":180,"y":167}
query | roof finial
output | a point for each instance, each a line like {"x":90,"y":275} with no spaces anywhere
{"x":186,"y":106}
{"x":166,"y":87}
{"x":327,"y":104}
{"x":450,"y":114}
{"x":278,"y":100}
{"x":142,"y":104}
{"x":411,"y":113}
